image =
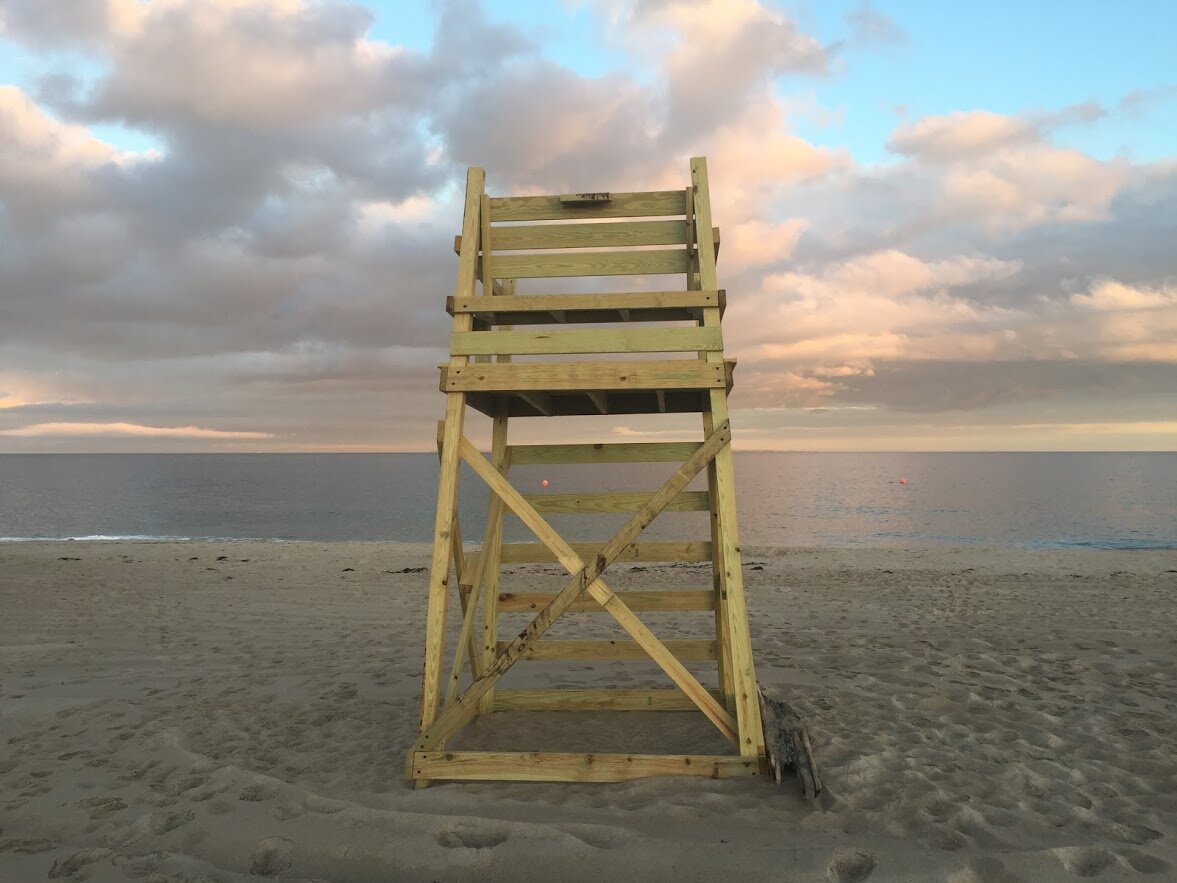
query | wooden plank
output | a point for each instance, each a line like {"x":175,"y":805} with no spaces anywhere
{"x":605,"y":452}
{"x":613,"y":501}
{"x":617,"y":234}
{"x":486,"y":263}
{"x":556,"y":264}
{"x":604,"y":340}
{"x":500,"y":459}
{"x":447,"y":486}
{"x":656,"y":203}
{"x":593,"y":700}
{"x":583,"y":198}
{"x":677,"y":600}
{"x":743,"y":670}
{"x":558,"y":767}
{"x":585,"y":578}
{"x":575,"y":376}
{"x":547,"y":303}
{"x":538,"y":553}
{"x":689,"y":649}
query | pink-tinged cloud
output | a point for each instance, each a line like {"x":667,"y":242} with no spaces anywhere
{"x":1108,"y":295}
{"x":959,"y":135}
{"x":130,"y":430}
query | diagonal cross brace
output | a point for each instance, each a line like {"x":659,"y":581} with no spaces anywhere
{"x":585,"y":578}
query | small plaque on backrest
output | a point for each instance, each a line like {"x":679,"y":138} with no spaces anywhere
{"x":584,"y":198}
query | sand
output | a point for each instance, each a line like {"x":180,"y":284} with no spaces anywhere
{"x":224,"y":711}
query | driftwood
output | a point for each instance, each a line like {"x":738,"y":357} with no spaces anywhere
{"x":787,"y":740}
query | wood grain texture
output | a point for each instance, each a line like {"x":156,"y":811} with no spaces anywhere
{"x":575,"y":376}
{"x":636,"y":599}
{"x":604,"y":340}
{"x":615,"y":501}
{"x":558,"y":264}
{"x":606,"y":452}
{"x":616,"y":234}
{"x":689,"y":649}
{"x":554,"y":767}
{"x":655,"y":203}
{"x":593,"y":700}
{"x":538,"y":553}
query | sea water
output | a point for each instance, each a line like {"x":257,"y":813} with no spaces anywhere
{"x":1100,"y":500}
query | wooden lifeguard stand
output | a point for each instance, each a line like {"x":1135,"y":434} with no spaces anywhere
{"x":501,"y":243}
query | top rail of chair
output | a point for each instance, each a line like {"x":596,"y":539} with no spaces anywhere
{"x":554,"y":207}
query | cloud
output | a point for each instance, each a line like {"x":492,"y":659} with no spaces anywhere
{"x":869,"y":27}
{"x":1108,"y":294}
{"x":132,"y":430}
{"x":959,"y":135}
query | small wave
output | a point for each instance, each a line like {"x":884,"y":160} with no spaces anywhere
{"x":1120,"y":545}
{"x":99,"y":538}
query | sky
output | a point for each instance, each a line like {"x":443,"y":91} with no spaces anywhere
{"x":227,"y":225}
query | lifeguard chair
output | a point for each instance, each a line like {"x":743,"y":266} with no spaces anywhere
{"x":601,"y":344}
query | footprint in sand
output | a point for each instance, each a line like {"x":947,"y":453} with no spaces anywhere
{"x":470,"y":839}
{"x":271,"y":857}
{"x":69,"y":865}
{"x":850,"y":866}
{"x":1084,"y":861}
{"x":101,"y":807}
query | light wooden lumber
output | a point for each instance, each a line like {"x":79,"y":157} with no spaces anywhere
{"x":593,"y":700}
{"x":679,"y":551}
{"x":546,"y":303}
{"x":553,"y":767}
{"x":500,"y":459}
{"x":605,"y":340}
{"x":585,"y":578}
{"x":447,"y":486}
{"x":747,"y":705}
{"x":613,"y":501}
{"x":558,"y":264}
{"x":688,"y":649}
{"x":575,"y":376}
{"x":636,"y":599}
{"x":657,"y":203}
{"x":616,"y":234}
{"x":605,"y":452}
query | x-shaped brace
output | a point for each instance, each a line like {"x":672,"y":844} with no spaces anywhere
{"x":585,"y":577}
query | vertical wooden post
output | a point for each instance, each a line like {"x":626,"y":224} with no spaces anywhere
{"x":493,"y":543}
{"x":747,"y":705}
{"x":492,"y":551}
{"x":447,"y":485}
{"x":723,"y":652}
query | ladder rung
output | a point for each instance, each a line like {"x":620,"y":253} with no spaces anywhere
{"x":684,"y":649}
{"x":532,"y":602}
{"x":606,"y":452}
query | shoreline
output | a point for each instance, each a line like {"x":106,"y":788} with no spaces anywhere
{"x":208,"y":710}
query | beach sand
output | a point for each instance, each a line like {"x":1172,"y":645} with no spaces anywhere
{"x":204,"y":711}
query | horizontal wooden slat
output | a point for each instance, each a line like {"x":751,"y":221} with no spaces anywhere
{"x":701,"y":599}
{"x":594,"y":700}
{"x":551,"y":767}
{"x":684,"y":649}
{"x":547,"y":309}
{"x":550,"y":265}
{"x":542,"y":376}
{"x":605,"y":340}
{"x":609,"y":235}
{"x":655,"y":203}
{"x":617,"y":452}
{"x":648,"y":232}
{"x":538,"y":553}
{"x":618,"y":501}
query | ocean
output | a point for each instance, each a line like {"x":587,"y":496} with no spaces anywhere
{"x":1046,"y":500}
